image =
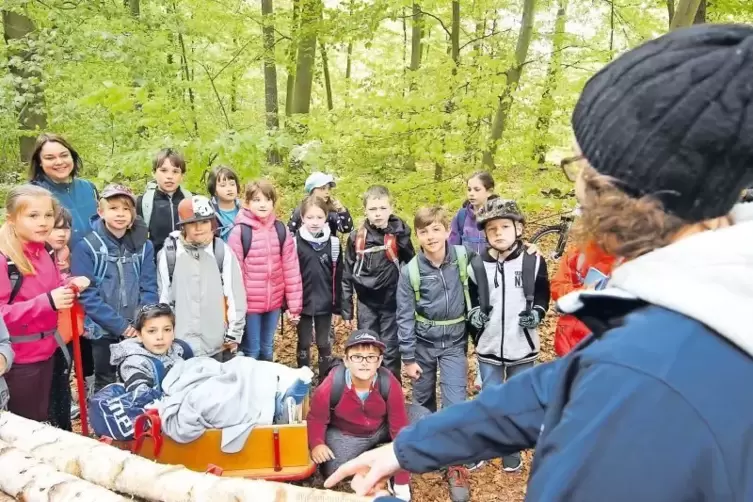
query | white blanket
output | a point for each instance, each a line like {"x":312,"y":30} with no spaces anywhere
{"x":201,"y":394}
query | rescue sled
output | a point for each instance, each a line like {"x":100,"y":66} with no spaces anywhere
{"x":272,"y":452}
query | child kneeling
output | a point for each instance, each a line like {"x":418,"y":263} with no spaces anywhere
{"x":358,"y":407}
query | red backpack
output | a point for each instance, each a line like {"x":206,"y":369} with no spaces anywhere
{"x":389,"y":247}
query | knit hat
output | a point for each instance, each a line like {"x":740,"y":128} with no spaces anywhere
{"x":195,"y":208}
{"x":673,"y":118}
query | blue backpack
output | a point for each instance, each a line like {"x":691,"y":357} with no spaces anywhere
{"x":114,"y":410}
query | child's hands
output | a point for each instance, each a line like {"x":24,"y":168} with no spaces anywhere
{"x":413,"y":370}
{"x":294,"y":319}
{"x":231,"y":346}
{"x":3,"y":365}
{"x":321,"y":454}
{"x":337,"y":205}
{"x":62,"y":298}
{"x":532,"y":248}
{"x":529,"y":319}
{"x":130,"y":332}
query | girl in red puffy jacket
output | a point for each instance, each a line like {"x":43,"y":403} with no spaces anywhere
{"x":269,"y":263}
{"x":570,"y":276}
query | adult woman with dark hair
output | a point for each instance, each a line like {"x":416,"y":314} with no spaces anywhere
{"x":655,"y":405}
{"x":55,"y":165}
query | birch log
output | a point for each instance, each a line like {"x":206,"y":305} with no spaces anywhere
{"x":129,"y":474}
{"x":26,"y":478}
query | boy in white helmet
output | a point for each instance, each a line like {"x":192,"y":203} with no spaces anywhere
{"x":197,"y":274}
{"x":320,"y":185}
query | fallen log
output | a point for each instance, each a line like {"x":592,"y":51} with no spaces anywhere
{"x":129,"y":474}
{"x":25,"y":478}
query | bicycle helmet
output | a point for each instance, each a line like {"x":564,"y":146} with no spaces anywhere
{"x":497,"y":209}
{"x":196,"y":208}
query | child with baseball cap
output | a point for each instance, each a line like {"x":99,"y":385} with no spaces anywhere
{"x":358,"y":406}
{"x":118,"y":259}
{"x":320,"y":185}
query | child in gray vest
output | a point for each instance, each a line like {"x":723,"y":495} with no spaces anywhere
{"x":519,"y":299}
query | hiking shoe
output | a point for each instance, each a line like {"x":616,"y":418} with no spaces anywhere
{"x":75,"y":411}
{"x":512,"y":463}
{"x":460,"y":488}
{"x":402,"y":492}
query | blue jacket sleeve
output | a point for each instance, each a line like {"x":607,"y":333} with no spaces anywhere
{"x":503,"y":419}
{"x":625,"y":436}
{"x":82,"y":264}
{"x":148,"y":280}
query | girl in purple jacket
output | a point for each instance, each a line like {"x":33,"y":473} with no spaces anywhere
{"x":463,"y":229}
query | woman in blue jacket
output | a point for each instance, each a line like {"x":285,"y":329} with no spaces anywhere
{"x":55,"y":165}
{"x":655,"y":405}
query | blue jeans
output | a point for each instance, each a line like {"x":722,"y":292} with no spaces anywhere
{"x":258,"y":341}
{"x":495,"y":375}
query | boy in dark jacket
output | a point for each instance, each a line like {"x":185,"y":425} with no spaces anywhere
{"x":373,"y":255}
{"x":119,"y":260}
{"x":433,"y":299}
{"x":159,"y":204}
{"x":370,"y":408}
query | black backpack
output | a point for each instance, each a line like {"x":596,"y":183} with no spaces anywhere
{"x":337,"y":368}
{"x":15,"y":276}
{"x":247,"y":235}
{"x":171,"y":253}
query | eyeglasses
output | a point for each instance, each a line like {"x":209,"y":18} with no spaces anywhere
{"x":358,"y":358}
{"x":572,"y":166}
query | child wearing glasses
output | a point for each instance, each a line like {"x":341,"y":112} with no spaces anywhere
{"x":144,"y":360}
{"x":358,"y":406}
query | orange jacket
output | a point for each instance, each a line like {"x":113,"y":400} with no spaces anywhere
{"x":574,"y":266}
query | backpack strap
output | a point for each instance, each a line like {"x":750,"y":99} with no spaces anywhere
{"x":383,"y":382}
{"x":98,"y":250}
{"x":462,"y":261}
{"x":282,"y":234}
{"x":187,"y":350}
{"x":338,"y":387}
{"x":462,"y":215}
{"x":171,"y":251}
{"x":159,"y":371}
{"x":246,"y":234}
{"x":415,"y":277}
{"x":16,"y":279}
{"x":361,"y":240}
{"x":147,"y":202}
{"x":390,"y":248}
{"x":219,"y":255}
{"x":529,"y":277}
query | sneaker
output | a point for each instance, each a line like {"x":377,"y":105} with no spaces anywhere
{"x":476,"y":466}
{"x":460,"y":488}
{"x":512,"y":463}
{"x":75,"y":411}
{"x":402,"y":492}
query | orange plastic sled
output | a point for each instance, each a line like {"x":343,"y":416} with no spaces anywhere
{"x":272,"y":452}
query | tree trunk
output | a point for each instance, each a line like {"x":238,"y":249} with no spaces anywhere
{"x":120,"y":471}
{"x":292,"y":52}
{"x":546,"y":105}
{"x":304,"y":71}
{"x":26,"y":478}
{"x":455,"y":34}
{"x":327,"y":81}
{"x":670,"y":11}
{"x":513,"y":78}
{"x":270,"y":68}
{"x":28,"y":80}
{"x":684,"y":14}
{"x":135,"y":7}
{"x":417,"y":33}
{"x":700,"y":15}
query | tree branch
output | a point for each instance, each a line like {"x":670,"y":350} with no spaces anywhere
{"x":438,"y":19}
{"x":494,"y":33}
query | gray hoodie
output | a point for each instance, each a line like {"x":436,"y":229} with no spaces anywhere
{"x":202,"y":299}
{"x":7,"y":352}
{"x":134,"y":365}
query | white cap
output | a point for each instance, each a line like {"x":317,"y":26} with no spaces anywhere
{"x":317,"y":180}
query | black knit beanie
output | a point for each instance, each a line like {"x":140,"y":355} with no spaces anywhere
{"x":673,"y":118}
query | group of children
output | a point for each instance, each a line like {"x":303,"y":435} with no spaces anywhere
{"x":227,"y":268}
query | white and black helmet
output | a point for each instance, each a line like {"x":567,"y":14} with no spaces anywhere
{"x":497,"y":209}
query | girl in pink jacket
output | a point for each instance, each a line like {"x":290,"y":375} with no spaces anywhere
{"x":31,"y":293}
{"x":269,"y":263}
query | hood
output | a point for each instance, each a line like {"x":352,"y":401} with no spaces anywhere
{"x":396,"y":226}
{"x":707,"y":277}
{"x":119,"y":352}
{"x":246,"y":217}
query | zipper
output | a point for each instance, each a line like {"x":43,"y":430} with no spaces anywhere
{"x":501,"y":266}
{"x":446,"y":302}
{"x":172,"y":213}
{"x":269,"y":273}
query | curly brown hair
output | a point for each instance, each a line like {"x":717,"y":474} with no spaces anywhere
{"x":622,"y":225}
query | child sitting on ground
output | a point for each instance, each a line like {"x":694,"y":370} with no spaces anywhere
{"x":358,"y":406}
{"x":145,"y":359}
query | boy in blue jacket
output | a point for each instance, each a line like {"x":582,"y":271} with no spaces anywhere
{"x":655,"y":405}
{"x":119,"y":260}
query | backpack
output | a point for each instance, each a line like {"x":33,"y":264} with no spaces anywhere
{"x":247,"y":234}
{"x":114,"y":410}
{"x":337,"y":368}
{"x":171,"y":254}
{"x":147,"y":200}
{"x":15,"y":276}
{"x":389,"y":247}
{"x":99,"y":250}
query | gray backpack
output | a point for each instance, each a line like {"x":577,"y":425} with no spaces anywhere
{"x":147,"y":200}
